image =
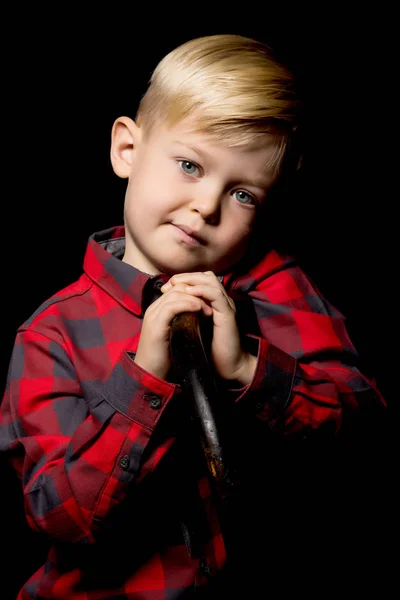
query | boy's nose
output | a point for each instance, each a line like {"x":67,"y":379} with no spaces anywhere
{"x":208,"y":204}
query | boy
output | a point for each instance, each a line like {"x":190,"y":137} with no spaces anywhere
{"x":93,"y":420}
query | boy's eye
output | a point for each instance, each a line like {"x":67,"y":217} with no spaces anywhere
{"x":188,"y":167}
{"x":244,"y":197}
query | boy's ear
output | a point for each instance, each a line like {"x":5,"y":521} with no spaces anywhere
{"x":125,"y":136}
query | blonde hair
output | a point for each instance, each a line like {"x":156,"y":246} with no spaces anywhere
{"x":233,"y":87}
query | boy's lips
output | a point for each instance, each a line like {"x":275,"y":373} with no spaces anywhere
{"x":189,"y":235}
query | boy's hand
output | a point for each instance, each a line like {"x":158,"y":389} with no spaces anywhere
{"x":153,"y":352}
{"x":230,"y":360}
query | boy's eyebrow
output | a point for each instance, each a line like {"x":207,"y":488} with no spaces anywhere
{"x":263,"y":182}
{"x":189,"y":147}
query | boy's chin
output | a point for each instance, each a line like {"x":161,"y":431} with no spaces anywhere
{"x":180,"y":262}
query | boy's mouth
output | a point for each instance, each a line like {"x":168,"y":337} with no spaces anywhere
{"x":188,"y":235}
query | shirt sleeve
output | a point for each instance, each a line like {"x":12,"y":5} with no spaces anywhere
{"x":307,"y":377}
{"x":75,"y":455}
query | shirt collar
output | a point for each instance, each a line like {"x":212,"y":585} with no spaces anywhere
{"x":136,"y":290}
{"x":103,"y":264}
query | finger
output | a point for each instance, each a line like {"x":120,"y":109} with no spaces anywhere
{"x":167,"y":289}
{"x":168,"y":306}
{"x":216,"y":296}
{"x":187,"y":304}
{"x":207,"y":277}
{"x":185,"y":289}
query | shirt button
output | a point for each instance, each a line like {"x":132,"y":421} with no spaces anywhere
{"x":124,"y":462}
{"x":158,"y":284}
{"x":154,"y":402}
{"x":259,"y":406}
{"x":205,"y":568}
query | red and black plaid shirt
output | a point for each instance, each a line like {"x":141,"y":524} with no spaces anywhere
{"x":101,"y":446}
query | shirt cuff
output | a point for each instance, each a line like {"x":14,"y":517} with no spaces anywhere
{"x":270,"y":388}
{"x":137,"y":394}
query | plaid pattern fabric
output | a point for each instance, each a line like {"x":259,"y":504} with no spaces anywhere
{"x":100,"y":445}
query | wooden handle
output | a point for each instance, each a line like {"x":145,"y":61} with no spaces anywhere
{"x":193,"y":369}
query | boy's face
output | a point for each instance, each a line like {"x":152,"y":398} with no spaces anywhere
{"x":191,"y":202}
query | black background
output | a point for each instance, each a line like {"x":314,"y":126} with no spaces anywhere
{"x":67,"y":77}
